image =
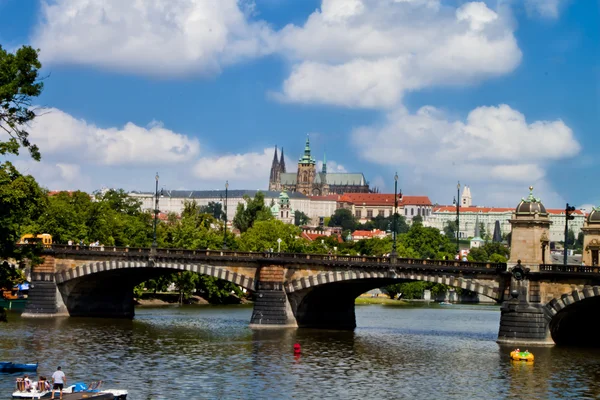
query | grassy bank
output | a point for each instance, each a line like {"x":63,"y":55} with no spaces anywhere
{"x":380,"y":300}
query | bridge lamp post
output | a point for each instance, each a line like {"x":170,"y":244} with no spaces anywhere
{"x":457,"y":218}
{"x":225,"y":224}
{"x":154,"y":243}
{"x":395,"y":224}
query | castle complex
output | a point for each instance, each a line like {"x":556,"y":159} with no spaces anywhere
{"x":310,"y":182}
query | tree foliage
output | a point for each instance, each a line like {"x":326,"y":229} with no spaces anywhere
{"x":19,"y":84}
{"x":254,"y":210}
{"x":300,"y":218}
{"x":264,"y":234}
{"x":343,"y":218}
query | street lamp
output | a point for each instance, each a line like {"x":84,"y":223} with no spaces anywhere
{"x":457,"y":217}
{"x":395,"y":228}
{"x":225,"y":225}
{"x":154,"y":244}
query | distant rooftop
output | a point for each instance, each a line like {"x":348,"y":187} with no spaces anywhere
{"x":218,"y":194}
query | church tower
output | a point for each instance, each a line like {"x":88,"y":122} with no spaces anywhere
{"x":466,"y":200}
{"x":282,"y":163}
{"x":306,"y":171}
{"x":274,"y":177}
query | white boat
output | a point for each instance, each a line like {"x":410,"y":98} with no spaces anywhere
{"x":34,"y":393}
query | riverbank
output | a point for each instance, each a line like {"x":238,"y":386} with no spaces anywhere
{"x":165,"y":299}
{"x":380,"y":300}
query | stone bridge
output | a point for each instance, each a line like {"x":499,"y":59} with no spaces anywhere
{"x":549,"y":304}
{"x":303,"y":290}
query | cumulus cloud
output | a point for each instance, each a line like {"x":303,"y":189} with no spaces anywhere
{"x":157,"y":37}
{"x":494,"y":144}
{"x":369,"y":52}
{"x":544,"y":8}
{"x":249,"y":169}
{"x":332,"y":167}
{"x":61,"y":135}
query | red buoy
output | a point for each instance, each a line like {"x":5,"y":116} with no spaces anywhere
{"x":297,"y":348}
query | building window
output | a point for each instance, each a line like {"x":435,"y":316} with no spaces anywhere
{"x":357,"y":213}
{"x":412,"y":211}
{"x":381,"y":213}
{"x":419,"y":211}
{"x":406,"y":211}
{"x":369,"y":213}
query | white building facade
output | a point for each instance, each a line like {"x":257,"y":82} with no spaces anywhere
{"x":488,"y":216}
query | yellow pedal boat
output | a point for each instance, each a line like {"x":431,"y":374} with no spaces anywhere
{"x":517,"y":355}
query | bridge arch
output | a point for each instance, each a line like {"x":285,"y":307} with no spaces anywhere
{"x":330,"y":277}
{"x":572,"y":318}
{"x":203,"y":269}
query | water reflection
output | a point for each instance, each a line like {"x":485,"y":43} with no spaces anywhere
{"x":209,"y":352}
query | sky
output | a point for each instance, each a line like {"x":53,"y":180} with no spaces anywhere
{"x":499,"y":94}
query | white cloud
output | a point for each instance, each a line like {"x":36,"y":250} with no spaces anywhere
{"x":249,"y":169}
{"x":332,"y":167}
{"x":370,"y":52}
{"x":157,"y":37}
{"x":59,"y":135}
{"x":493,"y":144}
{"x":544,"y":8}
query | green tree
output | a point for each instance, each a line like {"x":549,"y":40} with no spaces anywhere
{"x":264,"y":234}
{"x":570,"y":237}
{"x":215,"y":209}
{"x":300,"y":218}
{"x":427,"y":242}
{"x":19,"y":84}
{"x":185,"y":282}
{"x":21,"y":199}
{"x":217,"y":291}
{"x":417,"y":219}
{"x":450,"y":229}
{"x":579,"y":241}
{"x":343,"y":218}
{"x":254,"y":210}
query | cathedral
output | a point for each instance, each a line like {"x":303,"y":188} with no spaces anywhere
{"x":307,"y":180}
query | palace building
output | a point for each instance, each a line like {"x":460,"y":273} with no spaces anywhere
{"x":308,"y":181}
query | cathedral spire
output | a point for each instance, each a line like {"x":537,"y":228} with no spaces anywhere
{"x":324,"y":170}
{"x":306,"y":158}
{"x":274,"y":176}
{"x":282,"y":162}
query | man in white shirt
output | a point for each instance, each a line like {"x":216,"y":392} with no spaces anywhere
{"x":59,"y":379}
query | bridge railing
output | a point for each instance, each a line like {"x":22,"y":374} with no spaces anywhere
{"x":287,"y":257}
{"x":572,"y":268}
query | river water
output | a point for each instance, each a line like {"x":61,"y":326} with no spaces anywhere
{"x":206,"y":352}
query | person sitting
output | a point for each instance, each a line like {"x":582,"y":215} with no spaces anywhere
{"x":27,"y":382}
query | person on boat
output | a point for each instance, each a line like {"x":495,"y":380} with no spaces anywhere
{"x":27,"y":383}
{"x":43,"y":384}
{"x":59,"y":379}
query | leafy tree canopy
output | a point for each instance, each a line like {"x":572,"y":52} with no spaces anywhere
{"x":19,"y":84}
{"x":255,"y":210}
{"x":343,"y":218}
{"x":264,"y":234}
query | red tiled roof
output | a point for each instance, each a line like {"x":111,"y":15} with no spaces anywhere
{"x":331,"y":197}
{"x":485,"y":210}
{"x":378,"y":199}
{"x":375,"y":232}
{"x":313,"y":236}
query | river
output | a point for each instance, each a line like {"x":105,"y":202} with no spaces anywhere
{"x":206,"y":352}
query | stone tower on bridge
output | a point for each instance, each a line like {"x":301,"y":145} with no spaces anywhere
{"x":591,"y":239}
{"x":529,"y":238}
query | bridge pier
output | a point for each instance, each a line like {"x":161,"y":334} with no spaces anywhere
{"x":44,"y":299}
{"x":271,"y":306}
{"x":523,"y":320}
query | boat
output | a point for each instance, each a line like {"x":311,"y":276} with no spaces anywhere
{"x":517,"y":355}
{"x":93,"y":391}
{"x":7,"y":366}
{"x":445,"y":303}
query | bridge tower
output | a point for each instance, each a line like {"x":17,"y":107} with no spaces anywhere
{"x":591,"y":238}
{"x":522,"y":319}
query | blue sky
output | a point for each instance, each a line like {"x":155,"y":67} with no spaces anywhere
{"x":500,"y":94}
